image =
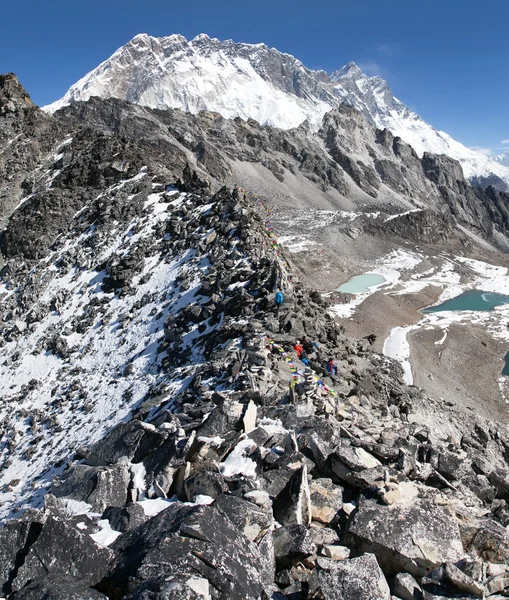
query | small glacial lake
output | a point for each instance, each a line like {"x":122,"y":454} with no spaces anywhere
{"x":470,"y":300}
{"x":359,"y":284}
{"x":505,"y":370}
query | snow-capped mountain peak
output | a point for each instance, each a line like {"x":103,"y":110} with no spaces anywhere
{"x":253,"y":81}
{"x":350,"y":70}
{"x":503,"y":158}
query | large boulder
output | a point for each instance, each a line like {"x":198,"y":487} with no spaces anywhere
{"x":193,"y":540}
{"x":326,"y":500}
{"x":63,"y":551}
{"x":98,"y":486}
{"x":174,"y":587}
{"x":347,"y":459}
{"x":293,"y":504}
{"x":56,"y":588}
{"x":15,"y":536}
{"x":413,"y":535}
{"x":292,"y":544}
{"x":358,"y":578}
{"x":132,"y":439}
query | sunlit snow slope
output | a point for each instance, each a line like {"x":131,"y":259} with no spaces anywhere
{"x":261,"y":83}
{"x":86,"y":354}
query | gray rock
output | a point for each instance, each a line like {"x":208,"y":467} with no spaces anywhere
{"x":56,"y":588}
{"x":98,"y":486}
{"x":132,"y":440}
{"x":60,"y":549}
{"x":413,"y":535}
{"x":346,"y":459}
{"x":326,"y":500}
{"x":193,"y":540}
{"x":207,"y":483}
{"x":292,"y":544}
{"x":463,"y":582}
{"x":247,"y":518}
{"x":174,"y":587}
{"x":293,"y":504}
{"x":406,"y":588}
{"x":360,"y":578}
{"x":15,"y":538}
{"x":125,"y":518}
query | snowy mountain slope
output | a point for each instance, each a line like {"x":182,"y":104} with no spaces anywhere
{"x":253,"y":81}
{"x":503,"y":158}
{"x":118,"y":315}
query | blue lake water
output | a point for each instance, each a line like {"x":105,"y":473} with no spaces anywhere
{"x":359,"y":284}
{"x":505,"y":370}
{"x":474,"y":300}
{"x":470,"y":300}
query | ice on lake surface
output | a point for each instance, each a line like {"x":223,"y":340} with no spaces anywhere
{"x":360,"y":284}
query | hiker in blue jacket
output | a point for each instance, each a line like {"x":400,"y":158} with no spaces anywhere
{"x":279,"y":299}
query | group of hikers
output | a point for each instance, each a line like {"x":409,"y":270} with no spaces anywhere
{"x":308,"y":352}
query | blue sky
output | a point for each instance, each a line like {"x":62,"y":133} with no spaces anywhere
{"x":447,"y":59}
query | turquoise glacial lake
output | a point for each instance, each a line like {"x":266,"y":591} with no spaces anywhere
{"x":505,"y":370}
{"x":359,"y":284}
{"x":470,"y":300}
{"x":474,"y":300}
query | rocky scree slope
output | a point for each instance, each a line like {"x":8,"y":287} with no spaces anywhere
{"x":253,"y":81}
{"x":259,"y":476}
{"x":347,"y":165}
{"x":161,"y":438}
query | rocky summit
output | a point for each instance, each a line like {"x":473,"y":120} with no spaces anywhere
{"x":182,"y":415}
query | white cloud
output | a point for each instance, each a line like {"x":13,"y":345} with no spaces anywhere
{"x":371,"y":67}
{"x":481,"y":150}
{"x":388,"y":48}
{"x":504,"y":141}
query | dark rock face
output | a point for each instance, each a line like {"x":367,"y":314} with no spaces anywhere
{"x":193,"y":540}
{"x":359,"y":578}
{"x":416,"y":539}
{"x":98,"y":486}
{"x":173,"y":587}
{"x":15,"y":537}
{"x":54,"y":588}
{"x":59,"y":550}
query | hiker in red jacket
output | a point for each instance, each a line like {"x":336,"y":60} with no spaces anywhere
{"x":298,"y":348}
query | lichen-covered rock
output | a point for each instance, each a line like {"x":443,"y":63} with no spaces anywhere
{"x":326,"y":500}
{"x":56,"y":588}
{"x":197,"y":540}
{"x":360,"y":578}
{"x":292,"y":544}
{"x":62,"y":551}
{"x":98,"y":486}
{"x":15,"y":537}
{"x":413,"y":535}
{"x":406,"y":587}
{"x":293,"y":504}
{"x":174,"y":587}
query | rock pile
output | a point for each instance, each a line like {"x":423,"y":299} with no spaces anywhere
{"x":267,"y":477}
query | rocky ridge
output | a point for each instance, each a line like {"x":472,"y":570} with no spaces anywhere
{"x":171,"y":443}
{"x":266,"y":477}
{"x":348,"y":164}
